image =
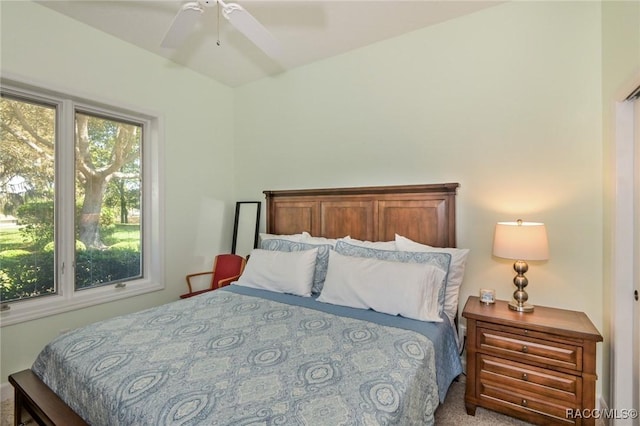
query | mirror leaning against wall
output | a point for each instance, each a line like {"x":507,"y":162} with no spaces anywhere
{"x":246,"y":227}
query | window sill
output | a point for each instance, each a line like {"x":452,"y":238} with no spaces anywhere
{"x":52,"y":305}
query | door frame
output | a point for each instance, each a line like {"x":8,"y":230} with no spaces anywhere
{"x":624,"y":334}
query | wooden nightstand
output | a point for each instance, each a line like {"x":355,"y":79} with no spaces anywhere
{"x":534,"y":366}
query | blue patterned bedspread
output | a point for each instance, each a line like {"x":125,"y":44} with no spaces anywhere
{"x":242,"y":356}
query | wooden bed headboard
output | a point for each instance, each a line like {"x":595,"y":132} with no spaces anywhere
{"x":423,"y":213}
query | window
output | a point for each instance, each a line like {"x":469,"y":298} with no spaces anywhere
{"x":108,"y":183}
{"x":76,"y":222}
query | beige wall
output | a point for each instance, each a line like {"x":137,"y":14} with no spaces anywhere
{"x":48,"y":48}
{"x":506,"y":101}
{"x":620,"y":75}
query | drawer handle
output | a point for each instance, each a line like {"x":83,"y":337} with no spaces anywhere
{"x":524,"y":403}
{"x":525,"y":377}
{"x":526,"y":332}
{"x":525,"y":349}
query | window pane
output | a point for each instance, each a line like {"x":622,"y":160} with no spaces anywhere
{"x":108,"y":200}
{"x":27,"y":170}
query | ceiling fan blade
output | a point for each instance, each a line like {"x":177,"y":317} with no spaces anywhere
{"x":182,"y":25}
{"x":244,"y":22}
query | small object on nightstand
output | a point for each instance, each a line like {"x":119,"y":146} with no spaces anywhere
{"x":539,"y":367}
{"x":487,"y":296}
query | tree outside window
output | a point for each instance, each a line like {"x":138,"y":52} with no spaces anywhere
{"x":106,"y":151}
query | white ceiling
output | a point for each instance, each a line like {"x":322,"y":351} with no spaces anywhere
{"x":309,"y":30}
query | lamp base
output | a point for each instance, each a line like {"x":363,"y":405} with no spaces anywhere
{"x":524,"y":307}
{"x":520,"y":297}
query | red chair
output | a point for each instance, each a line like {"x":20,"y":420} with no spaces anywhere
{"x":226,"y":269}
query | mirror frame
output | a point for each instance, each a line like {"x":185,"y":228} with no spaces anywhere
{"x":236,"y":224}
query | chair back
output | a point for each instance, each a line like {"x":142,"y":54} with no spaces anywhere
{"x":226,"y":266}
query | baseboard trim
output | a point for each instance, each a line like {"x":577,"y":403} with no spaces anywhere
{"x":601,"y":404}
{"x":6,"y":391}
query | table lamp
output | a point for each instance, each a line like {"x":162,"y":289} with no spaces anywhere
{"x":521,"y":241}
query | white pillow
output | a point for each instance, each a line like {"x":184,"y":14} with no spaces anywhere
{"x":395,"y":288}
{"x":456,"y":270}
{"x":308,"y":238}
{"x":379,"y":245}
{"x":280,"y":271}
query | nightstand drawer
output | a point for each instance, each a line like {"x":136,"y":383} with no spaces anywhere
{"x":529,"y":349}
{"x":554,"y":411}
{"x":548,"y":384}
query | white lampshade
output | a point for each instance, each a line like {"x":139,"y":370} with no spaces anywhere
{"x":521,"y":241}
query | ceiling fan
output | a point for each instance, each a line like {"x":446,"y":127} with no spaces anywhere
{"x":188,"y":15}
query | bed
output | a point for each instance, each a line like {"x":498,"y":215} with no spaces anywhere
{"x":252,"y":354}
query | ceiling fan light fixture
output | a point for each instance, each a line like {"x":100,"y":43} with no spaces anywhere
{"x":189,"y":14}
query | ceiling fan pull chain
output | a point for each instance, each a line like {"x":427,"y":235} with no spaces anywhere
{"x":218,"y":25}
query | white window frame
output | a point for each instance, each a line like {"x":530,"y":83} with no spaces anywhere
{"x":67,"y":298}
